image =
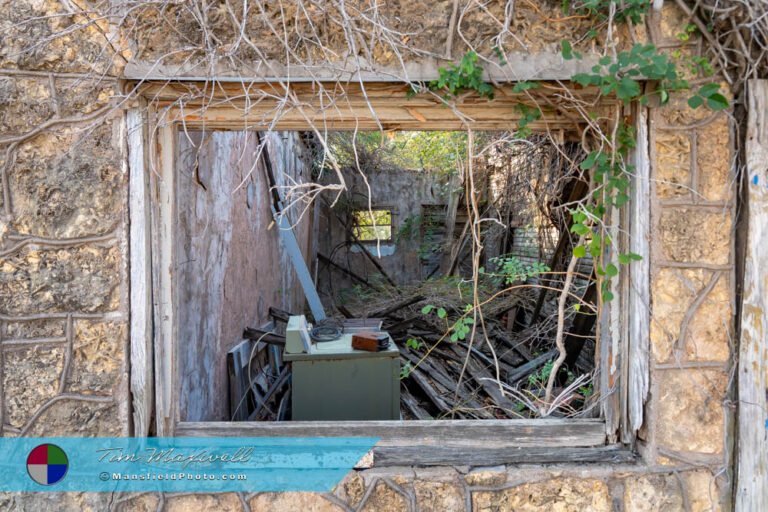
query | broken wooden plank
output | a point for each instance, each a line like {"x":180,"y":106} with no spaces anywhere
{"x":528,"y":368}
{"x":487,"y":381}
{"x":448,"y":384}
{"x":401,"y":325}
{"x":429,"y":390}
{"x":412,"y":404}
{"x":271,"y":338}
{"x":518,"y":347}
{"x":279,"y":315}
{"x":410,"y":301}
{"x":282,"y":380}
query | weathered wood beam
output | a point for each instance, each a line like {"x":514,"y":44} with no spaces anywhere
{"x":350,"y":107}
{"x":142,"y":387}
{"x":752,"y":478}
{"x":509,"y":433}
{"x":496,"y":455}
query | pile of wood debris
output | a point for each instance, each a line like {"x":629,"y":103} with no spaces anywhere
{"x":499,"y":373}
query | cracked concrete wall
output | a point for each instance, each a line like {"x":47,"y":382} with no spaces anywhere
{"x":64,"y":287}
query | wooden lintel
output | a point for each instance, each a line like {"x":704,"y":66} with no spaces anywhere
{"x":373,"y":106}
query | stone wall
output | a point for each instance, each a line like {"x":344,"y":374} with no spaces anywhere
{"x":64,"y":292}
{"x":404,"y":193}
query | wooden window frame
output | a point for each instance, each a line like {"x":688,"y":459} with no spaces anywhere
{"x":623,"y":377}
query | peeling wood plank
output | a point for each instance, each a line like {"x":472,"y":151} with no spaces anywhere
{"x":142,"y":387}
{"x":752,"y":478}
{"x":163,"y":256}
{"x":638,"y":308}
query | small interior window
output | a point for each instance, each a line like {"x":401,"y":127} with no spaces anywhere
{"x":373,"y":225}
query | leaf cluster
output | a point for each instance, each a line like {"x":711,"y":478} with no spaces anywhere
{"x":466,"y":75}
{"x":510,"y":269}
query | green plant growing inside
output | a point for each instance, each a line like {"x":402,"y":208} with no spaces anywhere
{"x":406,"y":370}
{"x":414,"y":344}
{"x":540,"y":377}
{"x":511,"y":270}
{"x":460,"y":328}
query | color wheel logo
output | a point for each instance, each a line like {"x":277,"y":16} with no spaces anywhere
{"x":47,"y":464}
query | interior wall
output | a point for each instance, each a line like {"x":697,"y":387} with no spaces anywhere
{"x":230,"y":263}
{"x":405,"y":193}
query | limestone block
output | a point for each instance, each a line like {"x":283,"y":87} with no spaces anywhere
{"x":77,"y":98}
{"x":487,"y":476}
{"x":690,"y":410}
{"x":384,"y":499}
{"x":678,"y":113}
{"x":713,"y":159}
{"x":690,"y":235}
{"x":24,"y":103}
{"x":97,"y":357}
{"x":200,"y":502}
{"x":83,"y":279}
{"x":78,"y":418}
{"x":438,"y":496}
{"x":304,"y":501}
{"x":43,"y":328}
{"x":55,"y":501}
{"x":39,"y":35}
{"x":673,"y":295}
{"x":30,"y":378}
{"x":704,"y":492}
{"x":673,"y":164}
{"x":683,"y":57}
{"x":65,"y":186}
{"x":558,"y":495}
{"x":658,"y":493}
{"x":672,"y":22}
{"x":351,"y":489}
{"x":139,"y":503}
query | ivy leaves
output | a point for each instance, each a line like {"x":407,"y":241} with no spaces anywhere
{"x":642,"y":61}
{"x":709,"y":93}
{"x":621,"y":76}
{"x":610,"y":173}
{"x":466,"y":75}
{"x":460,"y":328}
{"x":567,"y":50}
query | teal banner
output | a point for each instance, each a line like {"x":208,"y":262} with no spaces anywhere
{"x":176,"y":464}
